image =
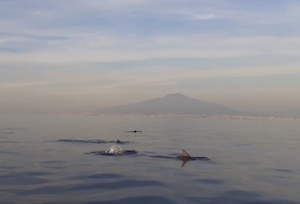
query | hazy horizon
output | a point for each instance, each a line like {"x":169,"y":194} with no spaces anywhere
{"x":58,"y":56}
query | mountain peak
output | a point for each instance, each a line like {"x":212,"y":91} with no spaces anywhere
{"x":175,"y":103}
{"x":175,"y":96}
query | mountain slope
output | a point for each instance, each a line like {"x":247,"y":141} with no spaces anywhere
{"x":172,"y":104}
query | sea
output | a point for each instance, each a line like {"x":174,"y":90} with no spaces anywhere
{"x":55,"y":159}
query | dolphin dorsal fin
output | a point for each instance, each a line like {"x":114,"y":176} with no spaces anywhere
{"x":118,"y":141}
{"x":185,"y":154}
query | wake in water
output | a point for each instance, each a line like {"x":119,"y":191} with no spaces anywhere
{"x":114,"y":150}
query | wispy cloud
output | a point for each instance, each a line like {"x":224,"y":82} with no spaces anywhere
{"x":94,"y":48}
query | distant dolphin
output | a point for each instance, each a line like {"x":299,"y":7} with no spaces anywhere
{"x":134,"y":131}
{"x":119,"y":142}
{"x":93,"y":141}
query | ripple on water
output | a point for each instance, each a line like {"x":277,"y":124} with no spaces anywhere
{"x":137,"y":199}
{"x":131,"y":200}
{"x":82,"y":186}
{"x":95,"y":176}
{"x":8,"y":142}
{"x":2,"y":137}
{"x":283,"y":170}
{"x":52,"y":162}
{"x":22,"y":178}
{"x":210,"y":181}
{"x":238,"y":197}
{"x":9,"y":152}
{"x":118,"y":184}
{"x":11,"y":131}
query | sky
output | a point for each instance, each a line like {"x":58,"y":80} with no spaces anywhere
{"x":74,"y":55}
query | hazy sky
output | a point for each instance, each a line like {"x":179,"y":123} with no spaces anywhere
{"x":79,"y":55}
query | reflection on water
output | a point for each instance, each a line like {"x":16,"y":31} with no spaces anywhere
{"x":243,"y":162}
{"x":22,"y":178}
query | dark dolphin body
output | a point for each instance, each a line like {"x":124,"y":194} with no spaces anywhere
{"x":93,"y":141}
{"x":185,"y":157}
{"x":103,"y":153}
{"x":134,"y":131}
{"x":83,"y":141}
{"x":119,"y":142}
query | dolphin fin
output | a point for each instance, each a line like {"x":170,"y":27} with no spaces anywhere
{"x":185,"y":154}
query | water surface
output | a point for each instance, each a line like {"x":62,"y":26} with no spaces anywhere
{"x":251,"y":161}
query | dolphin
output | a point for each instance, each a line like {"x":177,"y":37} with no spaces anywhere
{"x":93,"y":141}
{"x":185,"y":157}
{"x":118,"y":141}
{"x":116,"y":150}
{"x":134,"y":131}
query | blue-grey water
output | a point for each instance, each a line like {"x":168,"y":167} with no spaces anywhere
{"x":251,"y":161}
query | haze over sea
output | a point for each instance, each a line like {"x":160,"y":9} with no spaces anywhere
{"x":251,"y":161}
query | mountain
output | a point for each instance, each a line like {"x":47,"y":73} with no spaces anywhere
{"x":172,"y":104}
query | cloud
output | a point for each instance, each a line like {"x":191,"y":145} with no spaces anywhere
{"x":96,"y":48}
{"x":74,"y":47}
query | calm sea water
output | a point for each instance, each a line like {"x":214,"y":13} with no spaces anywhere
{"x":251,"y":161}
